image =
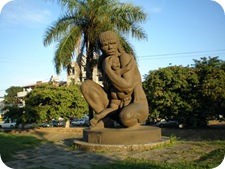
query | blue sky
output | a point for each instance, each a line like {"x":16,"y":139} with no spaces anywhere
{"x":178,"y":32}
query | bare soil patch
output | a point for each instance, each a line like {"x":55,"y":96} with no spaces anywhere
{"x":51,"y":134}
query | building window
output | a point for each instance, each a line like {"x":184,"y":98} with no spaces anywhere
{"x":73,"y":70}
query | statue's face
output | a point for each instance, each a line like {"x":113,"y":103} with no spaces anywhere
{"x":109,"y":46}
{"x":116,"y":64}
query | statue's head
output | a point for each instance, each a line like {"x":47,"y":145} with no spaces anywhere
{"x":107,"y":35}
{"x":109,"y":43}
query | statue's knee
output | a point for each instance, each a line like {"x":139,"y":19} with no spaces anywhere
{"x":124,"y":116}
{"x":128,"y":119}
{"x":86,"y":85}
{"x":133,"y":114}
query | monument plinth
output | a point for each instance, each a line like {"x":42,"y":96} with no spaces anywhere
{"x":121,"y":139}
{"x":123,"y":136}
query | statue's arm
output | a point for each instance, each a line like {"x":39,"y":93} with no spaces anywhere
{"x":126,"y":82}
{"x":125,"y":68}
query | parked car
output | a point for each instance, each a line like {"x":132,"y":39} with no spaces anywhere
{"x":7,"y":125}
{"x":45,"y":125}
{"x":80,"y":122}
{"x":26,"y":126}
{"x":57,"y":123}
{"x":86,"y":123}
{"x":170,"y":123}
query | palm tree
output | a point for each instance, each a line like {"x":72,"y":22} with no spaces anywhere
{"x":78,"y":29}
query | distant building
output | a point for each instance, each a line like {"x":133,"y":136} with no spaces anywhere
{"x":28,"y":88}
{"x":2,"y":104}
{"x":77,"y":74}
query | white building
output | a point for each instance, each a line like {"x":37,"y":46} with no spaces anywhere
{"x":2,"y":104}
{"x":77,"y":74}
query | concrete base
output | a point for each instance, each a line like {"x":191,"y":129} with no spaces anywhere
{"x":121,"y":139}
{"x":91,"y":147}
{"x":116,"y":136}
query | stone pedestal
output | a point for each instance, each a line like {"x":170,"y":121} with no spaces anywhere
{"x":117,"y":136}
{"x":121,"y":139}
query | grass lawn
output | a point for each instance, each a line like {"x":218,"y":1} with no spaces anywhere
{"x":207,"y":161}
{"x":10,"y":144}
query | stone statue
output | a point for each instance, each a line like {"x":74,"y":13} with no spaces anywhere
{"x":122,"y":98}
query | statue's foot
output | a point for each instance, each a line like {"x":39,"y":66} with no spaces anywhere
{"x":99,"y":125}
{"x":135,"y":125}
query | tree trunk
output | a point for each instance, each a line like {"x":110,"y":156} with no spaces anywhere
{"x":89,"y":69}
{"x":67,"y":123}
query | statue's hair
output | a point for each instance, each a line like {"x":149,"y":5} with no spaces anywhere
{"x":107,"y":34}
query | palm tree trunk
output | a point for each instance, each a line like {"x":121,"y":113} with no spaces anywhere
{"x":89,"y":71}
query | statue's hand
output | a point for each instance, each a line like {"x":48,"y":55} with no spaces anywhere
{"x":93,"y":122}
{"x":108,"y":62}
{"x":108,"y":59}
{"x":107,"y":67}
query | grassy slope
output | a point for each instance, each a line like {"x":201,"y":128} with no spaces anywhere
{"x":10,"y":144}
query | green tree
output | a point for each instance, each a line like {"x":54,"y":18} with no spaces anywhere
{"x":195,"y":94}
{"x":211,"y":87}
{"x":169,"y":91}
{"x":11,"y":95}
{"x":14,"y":113}
{"x":209,"y":62}
{"x":46,"y":102}
{"x":78,"y":29}
{"x":11,"y":103}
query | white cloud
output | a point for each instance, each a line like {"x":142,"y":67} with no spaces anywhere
{"x":156,"y":10}
{"x":3,"y":3}
{"x":37,"y":16}
{"x":25,"y":12}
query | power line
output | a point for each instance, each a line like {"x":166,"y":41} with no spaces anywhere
{"x":181,"y":53}
{"x":153,"y":56}
{"x":173,"y":57}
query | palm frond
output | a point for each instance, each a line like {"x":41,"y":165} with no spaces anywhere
{"x":66,"y":3}
{"x":127,"y":17}
{"x":66,"y":48}
{"x":55,"y":32}
{"x":127,"y":46}
{"x":138,"y":32}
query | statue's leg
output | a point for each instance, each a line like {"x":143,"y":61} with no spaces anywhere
{"x":94,"y":95}
{"x":133,"y":114}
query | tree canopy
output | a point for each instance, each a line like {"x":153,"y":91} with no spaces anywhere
{"x":49,"y":102}
{"x":195,"y":94}
{"x":11,"y":94}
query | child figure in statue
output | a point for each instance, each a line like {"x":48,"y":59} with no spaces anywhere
{"x":118,"y":98}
